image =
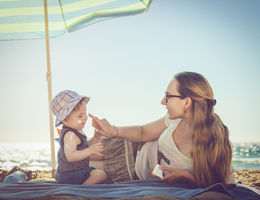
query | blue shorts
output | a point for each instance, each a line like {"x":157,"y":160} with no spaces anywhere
{"x":76,"y":177}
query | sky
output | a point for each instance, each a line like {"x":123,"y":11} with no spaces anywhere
{"x":125,"y":65}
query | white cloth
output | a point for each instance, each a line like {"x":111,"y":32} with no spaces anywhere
{"x":146,"y":159}
{"x":169,"y":149}
{"x":177,"y":159}
{"x":147,"y":156}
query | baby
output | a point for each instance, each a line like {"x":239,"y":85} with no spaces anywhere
{"x":75,"y":151}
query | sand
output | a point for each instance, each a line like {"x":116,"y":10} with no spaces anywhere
{"x":247,"y":177}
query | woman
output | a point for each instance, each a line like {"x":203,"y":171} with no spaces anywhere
{"x":193,"y":143}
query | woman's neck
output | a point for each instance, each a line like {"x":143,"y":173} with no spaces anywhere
{"x":186,"y":127}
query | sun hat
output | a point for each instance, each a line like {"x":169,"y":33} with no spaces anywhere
{"x":63,"y":103}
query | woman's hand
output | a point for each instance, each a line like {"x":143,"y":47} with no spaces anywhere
{"x":174,"y":174}
{"x":103,"y":126}
{"x":97,"y":135}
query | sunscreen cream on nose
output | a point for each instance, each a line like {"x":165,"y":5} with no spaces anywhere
{"x":80,"y":122}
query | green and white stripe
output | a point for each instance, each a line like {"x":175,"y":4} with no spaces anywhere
{"x":24,"y":19}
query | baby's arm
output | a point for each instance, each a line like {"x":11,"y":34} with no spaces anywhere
{"x":96,"y":138}
{"x":71,"y":141}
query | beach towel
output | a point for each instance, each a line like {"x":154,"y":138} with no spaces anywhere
{"x":119,"y":164}
{"x":203,"y":196}
{"x":129,"y":189}
{"x":121,"y":154}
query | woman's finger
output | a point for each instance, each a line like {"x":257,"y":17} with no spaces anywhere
{"x":102,"y":132}
{"x":96,"y":123}
{"x":168,"y":178}
{"x":93,"y":118}
{"x":166,"y":169}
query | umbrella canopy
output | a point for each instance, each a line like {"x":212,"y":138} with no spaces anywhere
{"x":24,"y":19}
{"x":34,"y":19}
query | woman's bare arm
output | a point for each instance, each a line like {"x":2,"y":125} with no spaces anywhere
{"x":147,"y":132}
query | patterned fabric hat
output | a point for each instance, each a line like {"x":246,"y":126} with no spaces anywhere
{"x":63,"y":103}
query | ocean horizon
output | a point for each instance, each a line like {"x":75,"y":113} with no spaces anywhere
{"x":37,"y":156}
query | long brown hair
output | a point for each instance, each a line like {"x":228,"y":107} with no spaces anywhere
{"x":211,"y":151}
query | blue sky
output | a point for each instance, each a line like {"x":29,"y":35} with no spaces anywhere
{"x":125,"y":64}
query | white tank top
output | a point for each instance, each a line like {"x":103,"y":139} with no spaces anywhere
{"x":147,"y":157}
{"x":171,"y":156}
{"x":174,"y":158}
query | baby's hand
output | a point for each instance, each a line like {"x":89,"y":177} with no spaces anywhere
{"x":97,"y":148}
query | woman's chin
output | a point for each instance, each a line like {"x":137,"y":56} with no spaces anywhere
{"x":172,"y":117}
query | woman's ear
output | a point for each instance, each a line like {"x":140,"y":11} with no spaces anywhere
{"x":188,"y":103}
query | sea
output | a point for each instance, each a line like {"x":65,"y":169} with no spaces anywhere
{"x":37,"y":156}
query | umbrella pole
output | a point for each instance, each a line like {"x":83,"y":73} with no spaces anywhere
{"x":48,"y":78}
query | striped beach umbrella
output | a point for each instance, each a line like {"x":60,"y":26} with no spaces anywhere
{"x":38,"y":19}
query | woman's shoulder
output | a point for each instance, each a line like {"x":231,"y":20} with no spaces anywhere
{"x":171,"y":125}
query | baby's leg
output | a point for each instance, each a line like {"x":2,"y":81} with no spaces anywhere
{"x":97,"y":164}
{"x":96,"y":177}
